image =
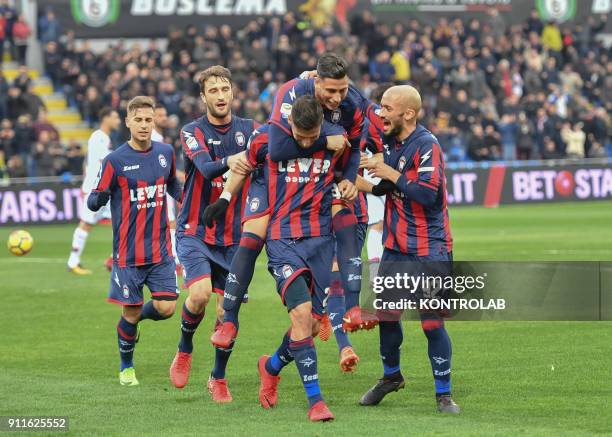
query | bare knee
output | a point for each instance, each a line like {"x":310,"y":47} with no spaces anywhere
{"x":132,"y":313}
{"x":165,"y":307}
{"x":199,"y":295}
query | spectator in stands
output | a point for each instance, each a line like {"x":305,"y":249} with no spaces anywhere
{"x":574,"y":139}
{"x":48,"y":27}
{"x":34,"y":103}
{"x":16,"y":105}
{"x":550,"y":150}
{"x":524,"y":137}
{"x":74,"y":158}
{"x":21,"y":33}
{"x":381,"y":69}
{"x":3,"y":26}
{"x":42,"y":124}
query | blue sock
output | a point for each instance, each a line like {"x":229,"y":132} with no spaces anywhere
{"x":126,"y":333}
{"x":391,"y":337}
{"x":240,"y":275}
{"x":189,"y":324}
{"x":305,"y":356}
{"x":336,"y":309}
{"x":149,"y":312}
{"x":349,"y":257}
{"x":281,"y":357}
{"x":439,"y":350}
{"x":221,"y":359}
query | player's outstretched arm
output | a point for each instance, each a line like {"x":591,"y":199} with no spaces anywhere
{"x":197,"y":151}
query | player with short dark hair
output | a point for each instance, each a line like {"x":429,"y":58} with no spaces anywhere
{"x":98,"y":147}
{"x":213,"y":144}
{"x":136,"y":178}
{"x":416,"y":231}
{"x":299,"y":244}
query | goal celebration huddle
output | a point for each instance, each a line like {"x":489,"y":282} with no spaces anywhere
{"x":304,"y":186}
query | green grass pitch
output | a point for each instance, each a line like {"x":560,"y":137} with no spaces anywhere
{"x":58,"y":351}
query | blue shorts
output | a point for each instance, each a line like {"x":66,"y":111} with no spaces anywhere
{"x":257,"y":197}
{"x":438,"y":264}
{"x":311,"y":256}
{"x":201,"y":260}
{"x":127,"y":282}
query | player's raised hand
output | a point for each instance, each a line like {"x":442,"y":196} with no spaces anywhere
{"x":238,"y":163}
{"x":348,"y":190}
{"x":308,"y":74}
{"x":215,"y":211}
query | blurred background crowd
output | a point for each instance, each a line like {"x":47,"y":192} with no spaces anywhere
{"x":491,"y":91}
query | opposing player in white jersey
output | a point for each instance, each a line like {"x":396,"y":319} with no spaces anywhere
{"x":98,"y":146}
{"x":160,"y":121}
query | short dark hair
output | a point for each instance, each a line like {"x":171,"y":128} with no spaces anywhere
{"x":139,"y":102}
{"x":216,"y":71}
{"x":105,"y":112}
{"x":378,"y":92}
{"x":307,"y":113}
{"x":331,"y":66}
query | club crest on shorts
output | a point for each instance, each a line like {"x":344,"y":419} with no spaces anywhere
{"x":402,"y":163}
{"x":254,"y":204}
{"x":126,"y":292}
{"x":240,"y":139}
{"x":162,"y":160}
{"x":335,"y":117}
{"x":287,"y":271}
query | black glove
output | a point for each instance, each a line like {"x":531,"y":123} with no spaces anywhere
{"x":104,"y":197}
{"x":383,"y":188}
{"x":215,"y":211}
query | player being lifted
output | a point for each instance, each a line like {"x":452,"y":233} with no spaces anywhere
{"x":136,"y":178}
{"x":416,"y":231}
{"x":342,"y":104}
{"x":98,"y":146}
{"x":213,"y":144}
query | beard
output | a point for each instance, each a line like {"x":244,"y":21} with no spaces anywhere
{"x":395,"y":130}
{"x":212,"y":110}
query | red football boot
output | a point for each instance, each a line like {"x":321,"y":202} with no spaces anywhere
{"x":320,"y":413}
{"x":268,"y":385}
{"x":179,"y":370}
{"x":219,"y":390}
{"x":325,"y":329}
{"x":348,"y":359}
{"x":224,"y":335}
{"x":356,"y":319}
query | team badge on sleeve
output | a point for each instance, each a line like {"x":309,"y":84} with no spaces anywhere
{"x":402,"y":163}
{"x":285,"y":110}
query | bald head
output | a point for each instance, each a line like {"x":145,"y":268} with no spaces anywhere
{"x":400,"y":106}
{"x":405,"y":96}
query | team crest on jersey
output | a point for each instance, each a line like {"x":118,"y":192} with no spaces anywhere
{"x":254,"y":204}
{"x":285,"y":110}
{"x":402,"y":163}
{"x":335,"y":117}
{"x":162,"y":160}
{"x":287,"y":271}
{"x":240,"y":139}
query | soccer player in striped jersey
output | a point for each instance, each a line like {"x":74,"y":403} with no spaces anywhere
{"x":98,"y":147}
{"x":416,"y":232}
{"x":213,"y":144}
{"x":136,"y":178}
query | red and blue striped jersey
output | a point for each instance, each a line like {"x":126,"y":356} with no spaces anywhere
{"x":206,"y":148}
{"x":350,"y":114}
{"x":138,"y":182}
{"x":300,"y":189}
{"x":411,"y":227}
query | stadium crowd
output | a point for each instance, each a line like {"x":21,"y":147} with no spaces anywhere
{"x":491,"y":91}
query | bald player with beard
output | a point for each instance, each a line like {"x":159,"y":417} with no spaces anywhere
{"x":416,"y":236}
